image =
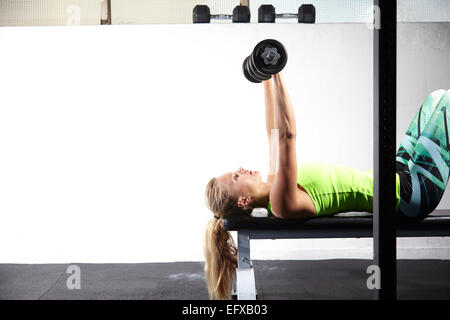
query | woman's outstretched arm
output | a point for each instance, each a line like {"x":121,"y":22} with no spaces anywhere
{"x":269,"y":101}
{"x":285,"y":197}
{"x":284,"y":111}
{"x":272,"y":133}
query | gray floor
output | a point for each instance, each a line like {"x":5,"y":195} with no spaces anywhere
{"x":324,"y":279}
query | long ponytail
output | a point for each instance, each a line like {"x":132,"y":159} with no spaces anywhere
{"x":219,"y":247}
{"x":220,"y":260}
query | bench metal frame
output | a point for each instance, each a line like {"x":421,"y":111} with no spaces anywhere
{"x":245,"y":276}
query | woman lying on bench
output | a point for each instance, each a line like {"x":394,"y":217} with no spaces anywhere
{"x":316,"y":189}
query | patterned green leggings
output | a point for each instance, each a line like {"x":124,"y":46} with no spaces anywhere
{"x":423,"y":158}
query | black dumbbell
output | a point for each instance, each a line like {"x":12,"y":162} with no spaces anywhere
{"x":268,"y":57}
{"x":202,"y":14}
{"x":306,"y":14}
{"x":250,"y":77}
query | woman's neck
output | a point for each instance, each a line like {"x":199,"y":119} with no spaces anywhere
{"x":263,"y":197}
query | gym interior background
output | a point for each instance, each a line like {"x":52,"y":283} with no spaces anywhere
{"x":115,"y":114}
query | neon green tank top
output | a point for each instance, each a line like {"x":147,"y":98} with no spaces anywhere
{"x":338,"y":188}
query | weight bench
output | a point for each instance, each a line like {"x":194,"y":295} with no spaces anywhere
{"x":343,"y":225}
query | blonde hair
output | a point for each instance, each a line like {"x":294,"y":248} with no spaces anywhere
{"x":219,"y":247}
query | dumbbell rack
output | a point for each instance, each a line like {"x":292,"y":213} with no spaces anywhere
{"x":266,"y":14}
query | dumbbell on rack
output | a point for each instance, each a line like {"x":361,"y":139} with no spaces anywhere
{"x":306,"y":14}
{"x":202,"y":14}
{"x":268,"y":57}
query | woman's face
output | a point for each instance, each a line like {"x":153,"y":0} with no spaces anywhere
{"x":242,"y":182}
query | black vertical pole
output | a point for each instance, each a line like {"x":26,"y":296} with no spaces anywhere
{"x":384,"y":94}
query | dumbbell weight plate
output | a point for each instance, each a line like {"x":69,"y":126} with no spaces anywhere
{"x":241,"y":14}
{"x":201,"y":14}
{"x":268,"y":68}
{"x":266,"y":13}
{"x":246,"y":74}
{"x":254,"y":70}
{"x":306,"y":14}
{"x":251,"y":71}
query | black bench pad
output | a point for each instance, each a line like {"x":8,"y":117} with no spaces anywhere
{"x":436,"y":223}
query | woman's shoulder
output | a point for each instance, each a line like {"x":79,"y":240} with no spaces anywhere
{"x":324,"y":167}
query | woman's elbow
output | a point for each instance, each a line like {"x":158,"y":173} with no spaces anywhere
{"x":284,"y":213}
{"x":295,"y":214}
{"x":288,"y":135}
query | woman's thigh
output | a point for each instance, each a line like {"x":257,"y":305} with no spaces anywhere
{"x":417,"y":125}
{"x":423,"y":159}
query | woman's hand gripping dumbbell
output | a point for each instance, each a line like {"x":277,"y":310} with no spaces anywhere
{"x":268,"y":57}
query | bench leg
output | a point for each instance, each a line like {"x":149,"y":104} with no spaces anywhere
{"x":245,"y":276}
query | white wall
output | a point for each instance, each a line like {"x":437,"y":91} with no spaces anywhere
{"x":49,"y":12}
{"x":109,"y":134}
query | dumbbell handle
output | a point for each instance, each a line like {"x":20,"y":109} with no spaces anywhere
{"x":230,"y":16}
{"x":286,"y":15}
{"x":221,"y":16}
